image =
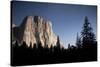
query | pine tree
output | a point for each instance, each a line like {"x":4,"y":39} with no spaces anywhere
{"x":34,"y":47}
{"x":58,"y":42}
{"x":88,"y":36}
{"x":39,"y":45}
{"x":51,"y":48}
{"x":30,"y":45}
{"x":69,"y":46}
{"x":24,"y":45}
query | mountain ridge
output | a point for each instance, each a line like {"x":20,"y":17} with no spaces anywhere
{"x":35,"y":29}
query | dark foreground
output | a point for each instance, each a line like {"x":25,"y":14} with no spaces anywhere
{"x":36,"y":56}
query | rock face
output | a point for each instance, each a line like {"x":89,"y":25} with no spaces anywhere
{"x":34,"y":30}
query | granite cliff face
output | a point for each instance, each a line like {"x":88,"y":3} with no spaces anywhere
{"x":34,"y":30}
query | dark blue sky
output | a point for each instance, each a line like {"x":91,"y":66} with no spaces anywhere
{"x":66,"y":19}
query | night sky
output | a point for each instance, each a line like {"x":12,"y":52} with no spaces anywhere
{"x":66,"y":19}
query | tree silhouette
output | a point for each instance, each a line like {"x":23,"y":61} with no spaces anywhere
{"x":51,"y":48}
{"x":34,"y":46}
{"x":88,"y":36}
{"x":30,"y":45}
{"x":58,"y":42}
{"x":39,"y":45}
{"x":69,"y":46}
{"x":24,"y":45}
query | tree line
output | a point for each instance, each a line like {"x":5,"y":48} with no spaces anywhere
{"x":85,"y":50}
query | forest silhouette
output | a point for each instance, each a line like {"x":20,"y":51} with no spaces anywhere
{"x":85,"y":50}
